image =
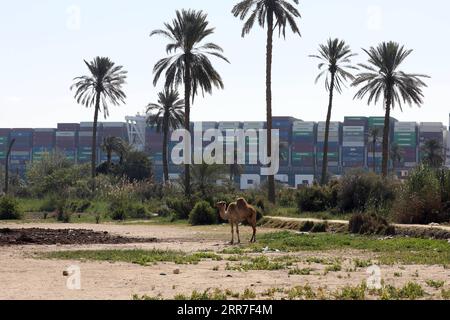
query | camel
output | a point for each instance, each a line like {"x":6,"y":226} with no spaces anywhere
{"x":236,"y":213}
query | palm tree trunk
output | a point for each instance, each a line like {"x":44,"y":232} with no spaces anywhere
{"x":187,"y":122}
{"x":165,"y":147}
{"x":374,"y":146}
{"x":269,"y":98}
{"x":94,"y":141}
{"x":8,"y":155}
{"x":386,"y":132}
{"x":109,"y":160}
{"x":327,"y":133}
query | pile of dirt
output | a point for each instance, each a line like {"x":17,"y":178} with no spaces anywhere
{"x":63,"y":237}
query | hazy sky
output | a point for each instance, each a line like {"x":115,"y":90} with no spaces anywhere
{"x":44,"y":42}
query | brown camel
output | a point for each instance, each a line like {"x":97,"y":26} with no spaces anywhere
{"x":236,"y":213}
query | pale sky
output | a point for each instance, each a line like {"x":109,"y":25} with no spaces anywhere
{"x":44,"y":42}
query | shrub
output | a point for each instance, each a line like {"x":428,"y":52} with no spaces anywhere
{"x":124,"y":209}
{"x":421,"y":199}
{"x":202,"y":214}
{"x":287,"y":197}
{"x":9,"y":208}
{"x":181,"y":206}
{"x":359,"y":190}
{"x":368,"y":224}
{"x":313,"y":199}
{"x":62,"y":211}
{"x":320,"y":227}
{"x":49,"y":205}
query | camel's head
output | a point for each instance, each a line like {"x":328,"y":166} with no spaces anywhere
{"x":222,"y":205}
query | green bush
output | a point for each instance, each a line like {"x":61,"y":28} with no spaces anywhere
{"x":48,"y":205}
{"x":202,"y":214}
{"x":359,"y":190}
{"x":9,"y":208}
{"x":422,"y":198}
{"x":121,"y":210}
{"x":181,"y":206}
{"x":313,"y":199}
{"x":370,"y":224}
{"x":63,"y":213}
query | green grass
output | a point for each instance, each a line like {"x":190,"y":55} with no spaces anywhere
{"x":141,"y":257}
{"x":301,"y":272}
{"x":435,"y":284}
{"x":390,"y":251}
{"x":259,"y":263}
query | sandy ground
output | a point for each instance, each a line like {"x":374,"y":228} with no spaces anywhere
{"x":23,"y":276}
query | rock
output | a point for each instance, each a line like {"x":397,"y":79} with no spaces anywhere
{"x":434,"y":224}
{"x":229,"y":276}
{"x":163,"y":274}
{"x":65,"y":273}
{"x":176,"y":271}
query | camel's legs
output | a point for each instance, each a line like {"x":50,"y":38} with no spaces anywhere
{"x":237,"y":231}
{"x":232,"y":233}
{"x":253,"y":240}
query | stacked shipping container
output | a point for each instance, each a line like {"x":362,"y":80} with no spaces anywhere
{"x":284,"y":126}
{"x":334,"y":146}
{"x":4,"y":143}
{"x":43,"y":143}
{"x":375,"y":123}
{"x":303,"y":145}
{"x":21,"y":151}
{"x":67,"y":140}
{"x":430,"y":131}
{"x":85,"y":134}
{"x":405,"y":136}
{"x":354,"y":142}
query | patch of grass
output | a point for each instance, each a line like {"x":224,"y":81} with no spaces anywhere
{"x":351,"y":293}
{"x":362,"y":263}
{"x":398,"y":274}
{"x":248,"y":295}
{"x":411,"y":291}
{"x":333,"y":268}
{"x":216,"y":295}
{"x":141,"y":257}
{"x":301,"y":293}
{"x":258,"y":263}
{"x":389,"y":251}
{"x":445,"y":294}
{"x":147,"y":298}
{"x":435,"y":284}
{"x":301,"y":272}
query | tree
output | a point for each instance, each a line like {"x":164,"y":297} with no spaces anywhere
{"x":136,"y":167}
{"x":8,"y":155}
{"x":271,"y":14}
{"x":335,"y":60}
{"x":396,"y":155}
{"x":205,"y":176}
{"x":383,"y":79}
{"x":102,"y":87}
{"x":433,"y":153}
{"x":190,"y":64}
{"x":112,"y":145}
{"x":374,"y":137}
{"x":166,"y":115}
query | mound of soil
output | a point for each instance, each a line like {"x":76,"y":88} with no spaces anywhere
{"x":63,"y":237}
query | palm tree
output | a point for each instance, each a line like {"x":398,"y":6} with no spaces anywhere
{"x":8,"y":156}
{"x":433,"y":153}
{"x":112,"y":145}
{"x":205,"y":176}
{"x":274,"y":14}
{"x":190,"y":64}
{"x":166,"y":115}
{"x":374,"y":137}
{"x":102,"y":87}
{"x":396,"y":155}
{"x":383,"y":79}
{"x":235,"y":169}
{"x":335,"y":60}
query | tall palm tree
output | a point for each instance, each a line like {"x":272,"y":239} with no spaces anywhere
{"x":112,"y":145}
{"x":396,"y":156}
{"x":383,"y":79}
{"x":433,"y":153}
{"x":190,"y":64}
{"x":166,"y":115}
{"x":8,"y":156}
{"x":273,"y":14}
{"x":102,"y":87}
{"x":374,"y":137}
{"x":335,"y":62}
